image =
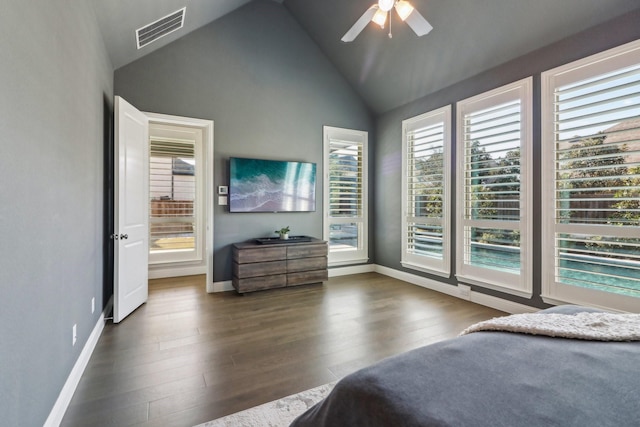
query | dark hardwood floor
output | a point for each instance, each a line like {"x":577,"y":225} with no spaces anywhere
{"x":186,"y":357}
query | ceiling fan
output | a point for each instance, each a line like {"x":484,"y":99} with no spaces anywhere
{"x":378,"y":14}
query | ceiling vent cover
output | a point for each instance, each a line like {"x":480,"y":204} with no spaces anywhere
{"x":160,"y":28}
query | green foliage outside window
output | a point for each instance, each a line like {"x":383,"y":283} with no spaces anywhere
{"x":597,"y":170}
{"x":428,"y":186}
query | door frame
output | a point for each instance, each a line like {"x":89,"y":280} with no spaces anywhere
{"x":207,"y":139}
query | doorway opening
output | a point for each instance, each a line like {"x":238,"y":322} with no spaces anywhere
{"x":180,"y":188}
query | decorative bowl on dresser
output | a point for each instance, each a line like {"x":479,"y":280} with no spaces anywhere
{"x":271,"y":263}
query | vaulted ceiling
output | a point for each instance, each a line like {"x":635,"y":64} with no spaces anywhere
{"x":469,"y":36}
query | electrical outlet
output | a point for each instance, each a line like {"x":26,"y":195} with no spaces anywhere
{"x":93,"y":305}
{"x":464,"y":292}
{"x":75,"y":334}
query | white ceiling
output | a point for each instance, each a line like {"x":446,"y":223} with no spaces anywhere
{"x":469,"y":36}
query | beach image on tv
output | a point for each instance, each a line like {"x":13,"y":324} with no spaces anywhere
{"x":271,"y":186}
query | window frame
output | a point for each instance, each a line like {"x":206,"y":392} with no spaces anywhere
{"x":440,"y":267}
{"x":555,"y":292}
{"x":359,"y":255}
{"x":515,"y":284}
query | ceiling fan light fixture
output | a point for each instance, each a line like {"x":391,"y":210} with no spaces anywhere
{"x":378,"y":12}
{"x":380,"y":17}
{"x":404,"y":9}
{"x":386,"y":5}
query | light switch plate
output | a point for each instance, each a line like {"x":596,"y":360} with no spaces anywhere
{"x":223,"y":189}
{"x":222,"y":200}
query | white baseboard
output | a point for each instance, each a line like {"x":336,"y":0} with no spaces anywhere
{"x":69,"y":388}
{"x":354,"y":269}
{"x":161,"y":273}
{"x":434,"y":285}
{"x":414,"y":279}
{"x":224,"y":286}
{"x":227,"y":285}
{"x":454,"y":291}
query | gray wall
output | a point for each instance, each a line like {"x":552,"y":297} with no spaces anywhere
{"x":55,"y":75}
{"x":389,"y":137}
{"x":269,"y":90}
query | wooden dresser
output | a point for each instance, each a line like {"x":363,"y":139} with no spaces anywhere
{"x":267,"y":266}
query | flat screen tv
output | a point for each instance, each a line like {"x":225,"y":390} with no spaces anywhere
{"x":258,"y":185}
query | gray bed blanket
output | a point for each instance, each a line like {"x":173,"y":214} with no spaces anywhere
{"x":492,"y":379}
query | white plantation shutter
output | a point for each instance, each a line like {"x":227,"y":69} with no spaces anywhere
{"x":425,"y":225}
{"x":345,"y":195}
{"x":492,"y":140}
{"x":592,"y":142}
{"x":345,"y":179}
{"x":173,"y":194}
{"x":494,"y":130}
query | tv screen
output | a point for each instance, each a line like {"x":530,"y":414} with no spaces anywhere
{"x":271,"y":186}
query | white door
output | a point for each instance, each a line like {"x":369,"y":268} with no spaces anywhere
{"x":131,"y":274}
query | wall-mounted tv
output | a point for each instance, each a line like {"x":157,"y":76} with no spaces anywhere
{"x":258,"y":185}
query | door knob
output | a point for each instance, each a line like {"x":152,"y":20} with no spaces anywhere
{"x":124,"y":236}
{"x":114,"y":237}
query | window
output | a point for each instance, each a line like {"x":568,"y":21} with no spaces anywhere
{"x":591,"y":184}
{"x":345,"y":195}
{"x":426,"y":141}
{"x":175,"y":211}
{"x":494,"y":189}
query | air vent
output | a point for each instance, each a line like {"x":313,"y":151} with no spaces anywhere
{"x":160,"y":28}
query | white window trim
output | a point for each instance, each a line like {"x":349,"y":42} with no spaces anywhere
{"x":515,"y":284}
{"x":361,"y":254}
{"x":554,"y":292}
{"x":415,"y":262}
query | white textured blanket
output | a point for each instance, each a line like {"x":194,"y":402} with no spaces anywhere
{"x":585,"y":326}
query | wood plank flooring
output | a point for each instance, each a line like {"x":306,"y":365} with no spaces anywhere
{"x":186,"y":357}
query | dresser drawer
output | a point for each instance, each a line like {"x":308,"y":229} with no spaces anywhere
{"x":305,"y":264}
{"x":259,"y":254}
{"x":259,"y":269}
{"x":306,"y":251}
{"x":305,"y":277}
{"x":259,"y":283}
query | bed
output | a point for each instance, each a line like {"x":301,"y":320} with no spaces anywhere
{"x":492,"y":378}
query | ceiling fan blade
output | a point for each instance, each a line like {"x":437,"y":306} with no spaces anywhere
{"x":418,"y":24}
{"x":360,"y":24}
